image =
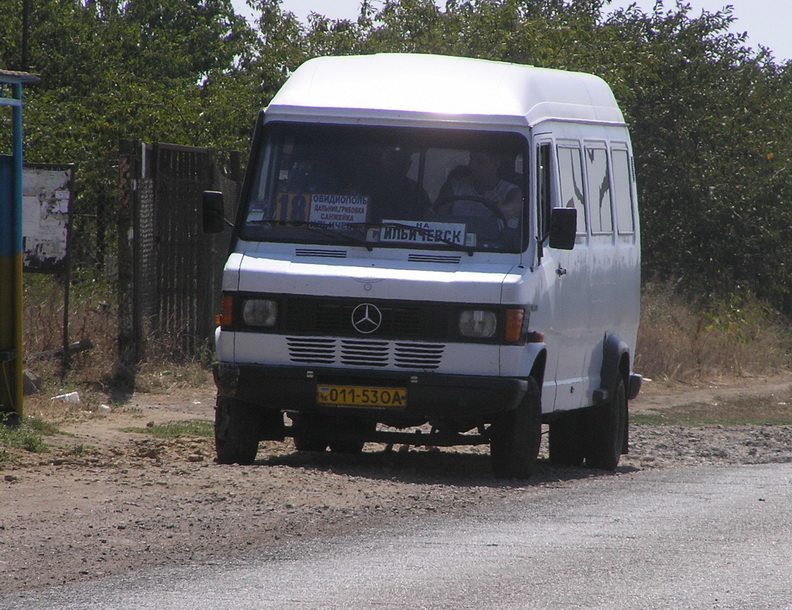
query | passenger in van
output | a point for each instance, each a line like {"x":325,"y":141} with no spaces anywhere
{"x":480,"y":181}
{"x":394,"y":195}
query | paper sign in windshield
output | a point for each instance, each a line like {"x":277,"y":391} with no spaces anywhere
{"x":422,"y":232}
{"x":337,"y":211}
{"x":334,"y":211}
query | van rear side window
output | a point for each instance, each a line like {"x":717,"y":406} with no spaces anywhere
{"x":599,"y":191}
{"x":625,"y":218}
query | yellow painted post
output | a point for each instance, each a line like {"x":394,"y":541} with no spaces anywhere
{"x":11,"y":358}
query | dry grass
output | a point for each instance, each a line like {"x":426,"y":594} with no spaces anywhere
{"x":756,"y":411}
{"x":680,"y":340}
{"x":93,"y":316}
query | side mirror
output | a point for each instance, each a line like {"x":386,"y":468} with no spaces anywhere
{"x":213,"y":212}
{"x":563,"y":227}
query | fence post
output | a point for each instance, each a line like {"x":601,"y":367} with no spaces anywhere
{"x":126,"y":363}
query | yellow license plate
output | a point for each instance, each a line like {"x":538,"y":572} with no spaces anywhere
{"x":360,"y":396}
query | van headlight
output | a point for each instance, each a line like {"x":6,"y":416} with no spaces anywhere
{"x":259,"y":312}
{"x":478,"y":323}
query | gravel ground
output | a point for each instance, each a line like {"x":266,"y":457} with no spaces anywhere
{"x":105,"y":501}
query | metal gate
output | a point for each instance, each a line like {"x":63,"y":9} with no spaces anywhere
{"x":169,"y":270}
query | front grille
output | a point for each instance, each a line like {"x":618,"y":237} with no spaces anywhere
{"x":364,"y":353}
{"x":333,"y":317}
{"x":312,"y":351}
{"x":418,"y":356}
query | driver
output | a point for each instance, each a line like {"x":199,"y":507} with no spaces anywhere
{"x":462,"y":195}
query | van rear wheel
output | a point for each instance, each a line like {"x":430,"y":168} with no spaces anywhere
{"x":565,"y":440}
{"x":237,"y":426}
{"x":349,"y":434}
{"x":348,"y":447}
{"x":313,"y":445}
{"x":515,"y":436}
{"x":605,"y":431}
{"x":309,"y":432}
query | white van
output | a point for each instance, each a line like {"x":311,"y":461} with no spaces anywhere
{"x":432,"y":250}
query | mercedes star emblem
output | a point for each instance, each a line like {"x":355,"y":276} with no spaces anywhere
{"x":366,"y":318}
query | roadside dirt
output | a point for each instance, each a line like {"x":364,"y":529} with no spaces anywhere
{"x":106,"y":500}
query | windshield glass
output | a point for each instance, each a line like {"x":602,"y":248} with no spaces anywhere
{"x":388,"y":187}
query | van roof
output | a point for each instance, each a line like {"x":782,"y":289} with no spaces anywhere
{"x":393,"y":87}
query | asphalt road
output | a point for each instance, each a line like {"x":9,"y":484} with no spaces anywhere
{"x":703,"y":537}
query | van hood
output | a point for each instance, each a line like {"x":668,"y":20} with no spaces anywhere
{"x":463,"y":283}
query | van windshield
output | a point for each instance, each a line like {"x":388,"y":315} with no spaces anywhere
{"x":388,"y":187}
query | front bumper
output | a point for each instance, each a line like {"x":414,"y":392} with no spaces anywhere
{"x":429,"y":395}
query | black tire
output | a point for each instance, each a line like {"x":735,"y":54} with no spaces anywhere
{"x":308,"y":433}
{"x":348,"y":447}
{"x":237,"y":426}
{"x":565,"y":441}
{"x":349,"y":434}
{"x":314,"y":445}
{"x":515,"y":437}
{"x":605,"y":431}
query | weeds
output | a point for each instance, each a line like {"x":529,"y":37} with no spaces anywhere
{"x":157,"y":375}
{"x":81,"y":451}
{"x":755,"y":411}
{"x":42,"y":427}
{"x":176,"y":429}
{"x":92,"y":315}
{"x":681,"y":340}
{"x":26,"y":436}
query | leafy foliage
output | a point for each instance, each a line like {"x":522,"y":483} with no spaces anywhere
{"x":710,"y":117}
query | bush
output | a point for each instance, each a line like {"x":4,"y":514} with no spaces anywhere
{"x":682,"y":339}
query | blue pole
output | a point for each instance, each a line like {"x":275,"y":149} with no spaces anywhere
{"x":11,"y":251}
{"x":17,"y":154}
{"x":16,"y":379}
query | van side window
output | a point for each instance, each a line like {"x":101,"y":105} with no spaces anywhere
{"x":599,"y":191}
{"x":544,"y":178}
{"x":570,"y":169}
{"x":625,"y":219}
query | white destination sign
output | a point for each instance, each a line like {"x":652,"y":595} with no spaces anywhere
{"x":421,"y":232}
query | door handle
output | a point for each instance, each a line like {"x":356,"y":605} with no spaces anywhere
{"x":561,"y":271}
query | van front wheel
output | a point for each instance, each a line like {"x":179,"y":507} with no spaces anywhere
{"x":515,"y":436}
{"x":236,"y":431}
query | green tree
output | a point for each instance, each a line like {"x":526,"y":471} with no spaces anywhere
{"x":709,"y":117}
{"x":154,"y":70}
{"x":704,"y":112}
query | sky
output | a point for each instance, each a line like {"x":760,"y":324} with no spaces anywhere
{"x":765,"y":21}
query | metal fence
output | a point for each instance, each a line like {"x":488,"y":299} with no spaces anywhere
{"x":169,"y":270}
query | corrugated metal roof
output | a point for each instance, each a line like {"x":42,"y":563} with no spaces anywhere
{"x":26,"y":78}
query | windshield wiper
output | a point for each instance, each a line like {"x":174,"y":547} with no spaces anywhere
{"x":422,"y":230}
